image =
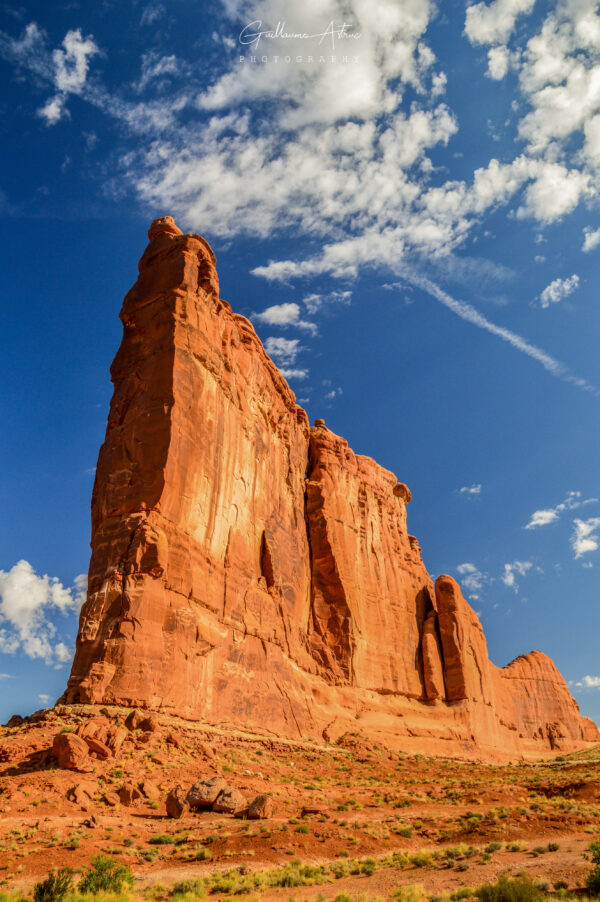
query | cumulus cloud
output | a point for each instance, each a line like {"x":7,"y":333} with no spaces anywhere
{"x":498,"y":62}
{"x":585,"y":536}
{"x":346,"y":154}
{"x":27,"y":602}
{"x":283,"y":350}
{"x":284,"y":315}
{"x":589,"y":682}
{"x":545,"y":516}
{"x":558,"y":290}
{"x":493,"y":23}
{"x":517,"y":568}
{"x":472,"y":579}
{"x":471,"y":490}
{"x":44,"y":698}
{"x":591,"y":240}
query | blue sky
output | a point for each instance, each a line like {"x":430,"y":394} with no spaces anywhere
{"x":404,"y":199}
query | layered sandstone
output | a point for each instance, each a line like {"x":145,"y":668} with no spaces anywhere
{"x":249,"y":570}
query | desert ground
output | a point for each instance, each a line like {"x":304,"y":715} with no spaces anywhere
{"x":347,"y":820}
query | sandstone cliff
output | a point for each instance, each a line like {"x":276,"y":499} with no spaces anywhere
{"x":247,"y":569}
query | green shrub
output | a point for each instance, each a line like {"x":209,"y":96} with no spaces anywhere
{"x":493,"y":847}
{"x":161,"y":839}
{"x":410,"y":894}
{"x":55,"y":887}
{"x":105,"y":874}
{"x":507,"y":890}
{"x":593,"y":878}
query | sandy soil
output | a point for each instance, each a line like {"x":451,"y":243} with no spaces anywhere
{"x":365,"y":802}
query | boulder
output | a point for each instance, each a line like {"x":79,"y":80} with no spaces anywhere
{"x":134,"y":719}
{"x":71,"y":752}
{"x":82,"y":792}
{"x":15,"y":721}
{"x":204,"y":793}
{"x":98,"y":748}
{"x":229,"y":801}
{"x":128,"y":794}
{"x":177,"y":803}
{"x":150,"y":791}
{"x":149,"y":725}
{"x":261,"y":807}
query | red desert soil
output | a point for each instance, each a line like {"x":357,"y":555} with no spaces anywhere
{"x":352,"y":800}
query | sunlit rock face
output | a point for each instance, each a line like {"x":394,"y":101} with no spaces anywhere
{"x":251,"y":571}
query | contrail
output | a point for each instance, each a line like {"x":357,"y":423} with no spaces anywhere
{"x":468,"y":313}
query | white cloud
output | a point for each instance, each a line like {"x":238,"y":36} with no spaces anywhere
{"x":63,"y":654}
{"x":314,"y":302}
{"x":54,"y":110}
{"x":157,"y":68}
{"x":72,"y":63}
{"x":542,"y":518}
{"x":283,"y":350}
{"x":284,"y":315}
{"x":493,"y":23}
{"x":6,"y":676}
{"x":591,"y":240}
{"x":585,"y":537}
{"x":589,"y":682}
{"x":288,"y":373}
{"x":471,"y":490}
{"x":472,"y":579}
{"x":152,"y":12}
{"x":521,"y":568}
{"x":498,"y":62}
{"x":70,"y":66}
{"x":44,"y":698}
{"x":558,"y":290}
{"x":26,"y":602}
{"x":548,"y":515}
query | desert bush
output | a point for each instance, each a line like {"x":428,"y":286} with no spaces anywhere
{"x":412,"y":893}
{"x":55,"y":887}
{"x":593,"y":878}
{"x":507,"y":890}
{"x":105,"y":874}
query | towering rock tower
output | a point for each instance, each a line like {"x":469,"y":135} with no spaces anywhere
{"x":249,"y":570}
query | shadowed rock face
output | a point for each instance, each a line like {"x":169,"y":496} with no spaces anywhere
{"x":249,"y":570}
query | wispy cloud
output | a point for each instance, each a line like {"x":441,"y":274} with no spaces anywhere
{"x":558,"y":290}
{"x":472,"y":579}
{"x":471,"y":315}
{"x":291,"y":373}
{"x":471,"y":491}
{"x":585,"y":536}
{"x":517,"y":568}
{"x":545,"y":516}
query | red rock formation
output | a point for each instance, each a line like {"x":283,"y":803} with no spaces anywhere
{"x":249,"y":570}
